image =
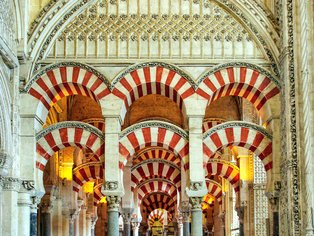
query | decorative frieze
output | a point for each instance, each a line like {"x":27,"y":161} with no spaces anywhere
{"x":10,"y":184}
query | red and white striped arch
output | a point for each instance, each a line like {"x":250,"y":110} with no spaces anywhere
{"x":214,"y":189}
{"x":157,"y":153}
{"x":155,"y":169}
{"x":90,"y":171}
{"x":66,"y":134}
{"x":242,"y":134}
{"x":152,"y":78}
{"x":210,"y":123}
{"x":247,"y":81}
{"x":157,"y":185}
{"x":158,"y":200}
{"x":65,"y":79}
{"x":98,"y":195}
{"x":150,"y":134}
{"x":158,"y":215}
{"x":224,"y":169}
{"x":209,"y":200}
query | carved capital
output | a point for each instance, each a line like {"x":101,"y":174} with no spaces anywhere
{"x":113,"y":203}
{"x":196,"y":202}
{"x":46,"y":204}
{"x":126,"y":217}
{"x":111,"y":185}
{"x":135,"y":225}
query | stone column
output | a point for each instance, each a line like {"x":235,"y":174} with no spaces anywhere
{"x":88,"y":224}
{"x":135,"y":228}
{"x":10,"y":188}
{"x":180,"y":228}
{"x":66,"y":221}
{"x":33,"y":217}
{"x":186,"y":224}
{"x":196,"y":211}
{"x":113,"y":203}
{"x":94,"y":221}
{"x":185,"y":213}
{"x":46,"y":208}
{"x":24,"y":202}
{"x":126,"y":223}
{"x":82,"y":220}
{"x":291,"y":216}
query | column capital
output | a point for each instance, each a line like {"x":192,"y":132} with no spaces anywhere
{"x":135,"y":225}
{"x":126,"y":217}
{"x":196,"y":203}
{"x":113,"y":203}
{"x":46,"y":206}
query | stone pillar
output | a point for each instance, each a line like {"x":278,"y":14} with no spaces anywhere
{"x":126,"y":223}
{"x":66,"y":221}
{"x":196,"y":211}
{"x":33,"y":217}
{"x":186,"y":224}
{"x":94,"y":221}
{"x":180,"y":228}
{"x":24,"y":220}
{"x":113,"y":203}
{"x":291,"y":216}
{"x":46,"y":208}
{"x":135,"y":228}
{"x":88,"y":224}
{"x":71,"y":226}
{"x":10,"y":188}
{"x":82,"y":220}
{"x":185,"y":213}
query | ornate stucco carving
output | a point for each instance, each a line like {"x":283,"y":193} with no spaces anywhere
{"x":113,"y":202}
{"x":10,"y":184}
{"x":111,"y":185}
{"x":196,"y":202}
{"x":7,"y":23}
{"x":154,"y":32}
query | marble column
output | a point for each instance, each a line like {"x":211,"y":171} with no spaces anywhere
{"x":93,"y":225}
{"x":33,"y":217}
{"x":127,"y":223}
{"x":24,"y":220}
{"x":135,"y":228}
{"x":71,"y":226}
{"x":186,"y":222}
{"x":180,"y":228}
{"x":88,"y":224}
{"x":196,"y":212}
{"x":65,"y":222}
{"x":45,"y":217}
{"x":113,"y":215}
{"x":82,"y":220}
